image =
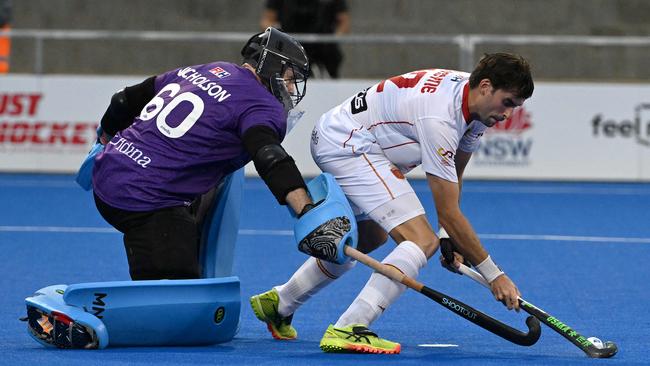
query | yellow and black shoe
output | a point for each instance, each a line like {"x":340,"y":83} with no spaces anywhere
{"x":265,"y":307}
{"x":356,"y":338}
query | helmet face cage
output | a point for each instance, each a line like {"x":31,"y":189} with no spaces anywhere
{"x":288,"y":81}
{"x":281,"y":63}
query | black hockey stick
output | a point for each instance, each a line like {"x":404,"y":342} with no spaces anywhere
{"x":482,"y":320}
{"x":564,"y":330}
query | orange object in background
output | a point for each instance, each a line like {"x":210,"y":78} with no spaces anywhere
{"x":5,"y":49}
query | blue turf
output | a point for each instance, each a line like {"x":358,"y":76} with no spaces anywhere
{"x":598,"y":288}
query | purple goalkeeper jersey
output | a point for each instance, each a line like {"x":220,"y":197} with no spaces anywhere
{"x":186,"y":139}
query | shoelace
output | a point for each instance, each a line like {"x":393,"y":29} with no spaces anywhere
{"x":359,"y":333}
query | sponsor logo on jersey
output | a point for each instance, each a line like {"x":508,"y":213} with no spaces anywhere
{"x":314,"y":137}
{"x":358,"y":103}
{"x":396,"y":172}
{"x":456,"y":78}
{"x":126,"y":147}
{"x":637,"y":128}
{"x":447,"y":156}
{"x":508,"y":142}
{"x":219,"y":72}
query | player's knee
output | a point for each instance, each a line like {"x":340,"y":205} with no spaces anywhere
{"x":371,"y":236}
{"x":427,"y":243}
{"x":418,"y":231}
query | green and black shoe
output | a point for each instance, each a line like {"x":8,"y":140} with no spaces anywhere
{"x":265,"y":307}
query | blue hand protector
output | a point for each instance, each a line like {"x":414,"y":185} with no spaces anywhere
{"x":325,"y":229}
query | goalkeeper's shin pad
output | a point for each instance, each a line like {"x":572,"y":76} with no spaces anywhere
{"x":332,"y":207}
{"x":135,"y":313}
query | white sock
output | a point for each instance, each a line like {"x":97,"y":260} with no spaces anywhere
{"x":380,"y":291}
{"x":310,"y":278}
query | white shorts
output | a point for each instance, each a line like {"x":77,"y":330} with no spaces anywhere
{"x":373,"y":185}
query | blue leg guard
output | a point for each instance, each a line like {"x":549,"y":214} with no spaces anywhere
{"x":135,"y":313}
{"x":220,"y":228}
{"x":332,"y":204}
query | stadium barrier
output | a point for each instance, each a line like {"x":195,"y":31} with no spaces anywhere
{"x":467,"y":44}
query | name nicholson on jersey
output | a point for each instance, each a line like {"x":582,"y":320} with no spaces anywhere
{"x":205,"y":83}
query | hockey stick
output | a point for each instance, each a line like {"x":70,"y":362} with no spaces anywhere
{"x":482,"y":320}
{"x":564,"y":330}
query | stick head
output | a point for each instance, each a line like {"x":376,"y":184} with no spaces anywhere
{"x":608,"y":351}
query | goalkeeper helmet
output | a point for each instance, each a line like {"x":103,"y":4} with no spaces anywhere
{"x":281,"y":63}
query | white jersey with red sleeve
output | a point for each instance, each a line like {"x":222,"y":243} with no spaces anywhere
{"x":420,"y":117}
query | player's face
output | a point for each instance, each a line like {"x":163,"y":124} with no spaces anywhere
{"x":498,"y":106}
{"x":289,"y":80}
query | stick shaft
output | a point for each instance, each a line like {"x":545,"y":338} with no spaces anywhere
{"x":388,"y":271}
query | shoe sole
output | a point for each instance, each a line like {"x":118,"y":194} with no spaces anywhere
{"x":255,"y":300}
{"x":353,"y":348}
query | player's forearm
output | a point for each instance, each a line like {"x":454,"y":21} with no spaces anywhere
{"x":297,"y":199}
{"x":464,"y":235}
{"x":275,"y":166}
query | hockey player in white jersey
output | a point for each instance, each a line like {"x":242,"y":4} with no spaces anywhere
{"x":434,"y":118}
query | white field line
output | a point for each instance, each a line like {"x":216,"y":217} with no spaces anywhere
{"x":57,"y":229}
{"x":437,"y":345}
{"x":52,"y":183}
{"x":527,"y":188}
{"x":254,"y":232}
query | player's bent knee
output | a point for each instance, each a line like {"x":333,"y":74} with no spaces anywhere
{"x":419,"y":232}
{"x":429,"y":246}
{"x":426,"y":241}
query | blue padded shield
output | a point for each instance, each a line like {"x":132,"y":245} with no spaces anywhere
{"x":85,"y":174}
{"x":50,"y":299}
{"x":333,"y":204}
{"x":148,"y":313}
{"x":221,"y":227}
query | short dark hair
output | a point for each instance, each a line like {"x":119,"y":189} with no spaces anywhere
{"x":505,"y":71}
